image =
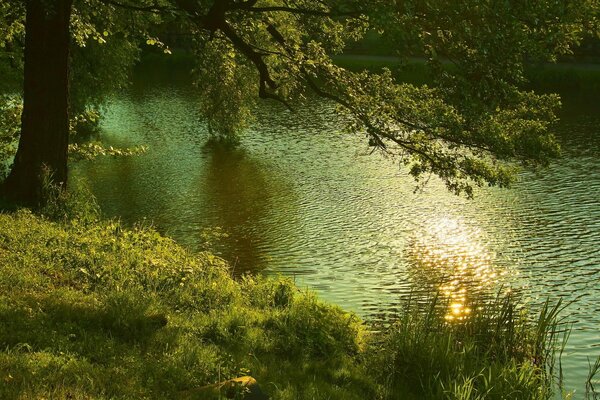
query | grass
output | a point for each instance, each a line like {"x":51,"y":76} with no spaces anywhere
{"x":497,"y":352}
{"x":90,"y":309}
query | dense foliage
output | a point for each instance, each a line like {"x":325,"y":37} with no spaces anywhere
{"x":467,"y":127}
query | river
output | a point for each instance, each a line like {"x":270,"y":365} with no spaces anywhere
{"x":302,"y":198}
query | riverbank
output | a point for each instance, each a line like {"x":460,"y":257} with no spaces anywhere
{"x":565,"y":77}
{"x":90,"y":309}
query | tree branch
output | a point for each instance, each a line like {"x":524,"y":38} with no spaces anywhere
{"x":304,"y":11}
{"x":153,"y":8}
{"x":258,"y":61}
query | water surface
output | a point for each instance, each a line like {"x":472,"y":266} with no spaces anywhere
{"x":304,"y":199}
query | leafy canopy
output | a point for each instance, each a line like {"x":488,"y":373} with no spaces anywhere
{"x":468,"y":126}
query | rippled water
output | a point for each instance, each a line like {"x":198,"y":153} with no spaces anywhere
{"x":303,"y":199}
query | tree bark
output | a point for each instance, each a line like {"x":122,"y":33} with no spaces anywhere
{"x":44,"y":138}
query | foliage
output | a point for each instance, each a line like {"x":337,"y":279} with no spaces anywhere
{"x":107,"y":45}
{"x":468,"y":126}
{"x":12,"y":24}
{"x":228,"y":93}
{"x":105,"y":49}
{"x":83,"y":125}
{"x":91,"y":150}
{"x":11,"y":33}
{"x":10,"y":116}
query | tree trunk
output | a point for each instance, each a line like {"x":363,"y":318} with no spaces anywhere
{"x":44,"y":138}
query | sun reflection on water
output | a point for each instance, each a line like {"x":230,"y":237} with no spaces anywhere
{"x":452,"y":258}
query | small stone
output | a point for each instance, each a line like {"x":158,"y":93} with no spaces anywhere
{"x":244,"y":387}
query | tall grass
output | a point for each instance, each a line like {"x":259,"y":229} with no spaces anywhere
{"x":497,"y":352}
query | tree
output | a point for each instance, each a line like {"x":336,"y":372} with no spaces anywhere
{"x":52,"y":29}
{"x":45,"y":119}
{"x":468,"y":127}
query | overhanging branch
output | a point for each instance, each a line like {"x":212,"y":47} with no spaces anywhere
{"x":152,"y":8}
{"x":304,"y":11}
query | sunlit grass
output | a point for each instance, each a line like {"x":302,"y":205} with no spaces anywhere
{"x":497,"y":351}
{"x":90,"y":309}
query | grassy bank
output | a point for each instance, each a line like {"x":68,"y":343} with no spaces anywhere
{"x":90,"y":309}
{"x":96,"y":311}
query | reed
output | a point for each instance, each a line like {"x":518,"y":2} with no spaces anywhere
{"x":496,"y":352}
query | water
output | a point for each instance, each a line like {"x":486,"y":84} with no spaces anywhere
{"x":304,"y":199}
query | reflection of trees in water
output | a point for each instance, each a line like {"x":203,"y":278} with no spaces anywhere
{"x":239,"y":194}
{"x":449,"y":259}
{"x":117,"y":185}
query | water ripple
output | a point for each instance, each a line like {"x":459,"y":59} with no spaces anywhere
{"x":302,"y":199}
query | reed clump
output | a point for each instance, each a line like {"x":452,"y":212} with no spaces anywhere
{"x":496,"y":351}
